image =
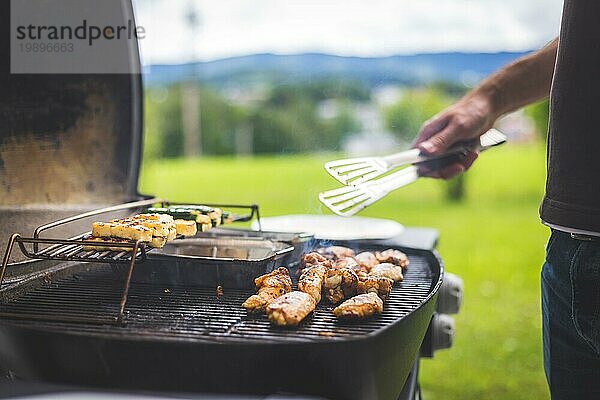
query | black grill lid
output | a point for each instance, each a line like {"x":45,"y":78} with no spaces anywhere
{"x":68,"y":143}
{"x":69,"y":139}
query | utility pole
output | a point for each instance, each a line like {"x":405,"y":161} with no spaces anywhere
{"x":190,"y":95}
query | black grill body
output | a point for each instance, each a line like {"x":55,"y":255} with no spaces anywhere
{"x":186,"y":339}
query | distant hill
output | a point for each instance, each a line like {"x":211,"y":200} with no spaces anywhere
{"x":373,"y":71}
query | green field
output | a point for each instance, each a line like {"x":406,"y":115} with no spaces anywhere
{"x":493,"y":240}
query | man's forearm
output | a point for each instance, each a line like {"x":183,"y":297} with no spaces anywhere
{"x":524,"y":81}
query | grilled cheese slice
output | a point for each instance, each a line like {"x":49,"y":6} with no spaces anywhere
{"x":106,"y":241}
{"x":158,"y":227}
{"x":158,"y":241}
{"x":102,"y":229}
{"x":132,"y":231}
{"x":155,"y":217}
{"x":185,"y":228}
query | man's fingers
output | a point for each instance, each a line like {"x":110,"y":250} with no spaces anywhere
{"x":430,"y":128}
{"x":469,"y":159}
{"x":451,"y":170}
{"x":440,"y":142}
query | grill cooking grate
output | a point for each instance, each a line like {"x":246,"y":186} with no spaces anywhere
{"x":192,"y":313}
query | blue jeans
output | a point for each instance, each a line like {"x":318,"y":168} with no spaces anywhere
{"x":571,"y":317}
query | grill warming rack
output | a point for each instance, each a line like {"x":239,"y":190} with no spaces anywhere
{"x":72,"y":249}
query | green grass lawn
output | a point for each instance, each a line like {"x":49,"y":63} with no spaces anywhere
{"x":493,"y":240}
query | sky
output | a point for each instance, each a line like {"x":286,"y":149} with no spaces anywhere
{"x":226,"y":28}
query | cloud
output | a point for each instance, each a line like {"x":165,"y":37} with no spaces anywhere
{"x":349,"y":27}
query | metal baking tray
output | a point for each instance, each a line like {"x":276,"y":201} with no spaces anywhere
{"x":303,"y":242}
{"x":211,"y":262}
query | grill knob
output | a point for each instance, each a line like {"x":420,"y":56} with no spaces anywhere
{"x":442,"y":332}
{"x":450,"y":295}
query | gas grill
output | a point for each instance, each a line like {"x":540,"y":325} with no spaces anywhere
{"x":151,"y":320}
{"x":186,"y":338}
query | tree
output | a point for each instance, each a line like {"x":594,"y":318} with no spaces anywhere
{"x":416,"y":106}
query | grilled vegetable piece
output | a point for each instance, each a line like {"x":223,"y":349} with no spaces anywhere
{"x":340,"y":284}
{"x":204,"y":227}
{"x":311,"y":281}
{"x":227,"y":217}
{"x":388,"y":270}
{"x":380,"y":285}
{"x":200,"y":214}
{"x":361,"y":306}
{"x":106,"y":240}
{"x":181,"y":213}
{"x":269,"y":287}
{"x":291,"y":308}
{"x":393,"y":256}
{"x":336,"y":252}
{"x":185,"y":228}
{"x":214,"y":213}
{"x":367,"y":260}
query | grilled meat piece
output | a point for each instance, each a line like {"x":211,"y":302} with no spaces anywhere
{"x":361,"y":306}
{"x":340,"y":284}
{"x":311,"y":281}
{"x":367,"y":260}
{"x":350,"y":262}
{"x":394,"y":272}
{"x":336,"y":252}
{"x":393,"y":256}
{"x":291,"y":308}
{"x":376,"y":284}
{"x":313,"y":258}
{"x":269,"y":287}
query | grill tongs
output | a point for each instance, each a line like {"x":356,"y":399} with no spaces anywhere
{"x":359,"y":174}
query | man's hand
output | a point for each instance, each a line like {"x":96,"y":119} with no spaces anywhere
{"x":467,"y":119}
{"x":524,"y":81}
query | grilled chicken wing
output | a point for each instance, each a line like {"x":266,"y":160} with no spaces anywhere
{"x":311,"y":281}
{"x":313,"y":258}
{"x":340,"y":284}
{"x":269,"y":287}
{"x":367,"y":260}
{"x":291,"y":308}
{"x":361,"y":306}
{"x":336,"y":252}
{"x":350,"y":262}
{"x":375,"y":284}
{"x":394,"y":272}
{"x":392,"y":256}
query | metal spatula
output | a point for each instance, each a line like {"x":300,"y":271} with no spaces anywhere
{"x":348,"y":200}
{"x":355,"y":171}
